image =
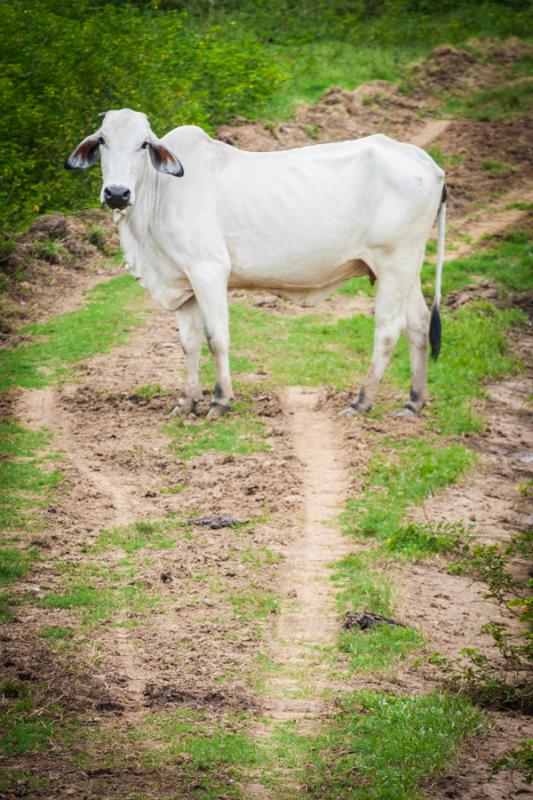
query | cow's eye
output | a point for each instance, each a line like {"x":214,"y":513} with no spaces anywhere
{"x":101,"y":140}
{"x":145,"y":145}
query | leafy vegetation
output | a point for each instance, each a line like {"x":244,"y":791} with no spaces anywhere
{"x":499,"y":680}
{"x":200,"y":63}
{"x":62,"y":66}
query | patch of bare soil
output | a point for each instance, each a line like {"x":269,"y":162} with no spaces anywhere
{"x":52,"y":265}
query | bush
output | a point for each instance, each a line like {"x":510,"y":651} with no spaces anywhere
{"x":61,"y":68}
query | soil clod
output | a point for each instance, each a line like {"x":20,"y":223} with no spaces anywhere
{"x":218,"y":521}
{"x":366,"y":620}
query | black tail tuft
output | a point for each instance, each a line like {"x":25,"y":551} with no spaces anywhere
{"x":435,"y":331}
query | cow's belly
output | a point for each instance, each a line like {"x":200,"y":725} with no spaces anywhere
{"x":289,"y":278}
{"x":305,"y":292}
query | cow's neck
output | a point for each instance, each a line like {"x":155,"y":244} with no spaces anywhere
{"x":136,"y":228}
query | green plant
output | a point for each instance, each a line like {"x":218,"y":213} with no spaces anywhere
{"x":238,"y":434}
{"x":404,"y":474}
{"x":517,"y":760}
{"x":379,"y":746}
{"x":498,"y":679}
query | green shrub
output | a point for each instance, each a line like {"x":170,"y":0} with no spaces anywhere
{"x":64,"y":65}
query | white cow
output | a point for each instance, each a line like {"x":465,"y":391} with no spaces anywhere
{"x":297,"y":222}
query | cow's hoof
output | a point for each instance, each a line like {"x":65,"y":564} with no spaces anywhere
{"x":183,"y":408}
{"x":407,"y":412}
{"x":217,"y":410}
{"x":353,"y":411}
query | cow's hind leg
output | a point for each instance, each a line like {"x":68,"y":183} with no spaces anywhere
{"x":390,"y":321}
{"x":417,"y":335}
{"x":191,"y":331}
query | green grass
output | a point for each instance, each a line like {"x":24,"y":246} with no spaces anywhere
{"x":363,"y":587}
{"x":475,"y":350}
{"x":57,"y":632}
{"x":141,"y":535}
{"x":26,"y":484}
{"x":378,"y":648}
{"x":22,"y":730}
{"x":494,"y":103}
{"x":315,"y":66}
{"x":112,"y":310}
{"x":307,"y":351}
{"x":420,"y":540}
{"x":403,"y":474}
{"x":508,"y":264}
{"x":8,"y":601}
{"x":384,"y":747}
{"x":100,"y":594}
{"x":237,"y":434}
{"x":445,"y":160}
{"x":256,"y":603}
{"x":206,"y":751}
{"x":15,"y":563}
{"x":497,"y":167}
{"x":148,"y":391}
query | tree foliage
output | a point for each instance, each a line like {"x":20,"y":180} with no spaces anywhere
{"x":61,"y":68}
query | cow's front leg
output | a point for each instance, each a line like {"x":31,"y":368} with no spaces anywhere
{"x":191,"y":330}
{"x":210,"y":287}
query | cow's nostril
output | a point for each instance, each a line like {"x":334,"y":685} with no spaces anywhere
{"x":117,"y":196}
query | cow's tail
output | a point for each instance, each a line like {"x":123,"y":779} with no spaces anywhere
{"x":435,"y":323}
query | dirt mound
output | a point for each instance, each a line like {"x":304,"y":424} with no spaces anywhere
{"x":43,"y":262}
{"x":339,"y":114}
{"x":460,"y":70}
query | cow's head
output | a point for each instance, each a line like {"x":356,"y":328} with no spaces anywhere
{"x":124,"y":141}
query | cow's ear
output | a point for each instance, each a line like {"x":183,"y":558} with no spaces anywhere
{"x":164,"y":159}
{"x":85,"y":153}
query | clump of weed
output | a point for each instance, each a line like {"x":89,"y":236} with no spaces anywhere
{"x":420,"y":540}
{"x":518,"y":760}
{"x":500,"y":679}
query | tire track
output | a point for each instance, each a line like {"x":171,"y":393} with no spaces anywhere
{"x":309,"y":622}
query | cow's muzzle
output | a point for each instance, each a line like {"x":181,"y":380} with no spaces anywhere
{"x":117,"y":196}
